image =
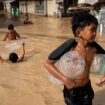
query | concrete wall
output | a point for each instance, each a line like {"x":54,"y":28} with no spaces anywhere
{"x":30,"y":6}
{"x":51,"y":7}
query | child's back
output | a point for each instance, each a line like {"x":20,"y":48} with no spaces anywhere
{"x":12,"y":35}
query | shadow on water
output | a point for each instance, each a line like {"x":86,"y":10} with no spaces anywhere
{"x":5,"y":21}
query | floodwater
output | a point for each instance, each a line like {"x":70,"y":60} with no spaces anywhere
{"x":27,"y":83}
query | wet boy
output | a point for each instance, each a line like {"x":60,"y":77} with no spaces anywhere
{"x":78,"y":91}
{"x":12,"y":34}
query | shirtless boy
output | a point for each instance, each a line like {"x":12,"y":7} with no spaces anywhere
{"x":12,"y":34}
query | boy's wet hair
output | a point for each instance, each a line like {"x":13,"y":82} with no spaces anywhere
{"x":82,"y":19}
{"x":10,"y":26}
{"x":13,"y":57}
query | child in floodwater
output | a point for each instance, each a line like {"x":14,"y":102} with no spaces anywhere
{"x":13,"y":57}
{"x":12,"y":34}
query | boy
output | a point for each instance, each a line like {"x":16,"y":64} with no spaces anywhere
{"x":12,"y":34}
{"x":27,"y":21}
{"x":13,"y":57}
{"x":78,"y":91}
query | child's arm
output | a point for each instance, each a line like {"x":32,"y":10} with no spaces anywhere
{"x":17,"y":35}
{"x":5,"y":37}
{"x":102,"y":82}
{"x":22,"y":57}
{"x":49,"y":65}
{"x":3,"y":60}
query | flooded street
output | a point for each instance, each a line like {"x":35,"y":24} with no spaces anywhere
{"x":26,"y":83}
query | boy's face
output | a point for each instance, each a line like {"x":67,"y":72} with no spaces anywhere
{"x":89,"y":32}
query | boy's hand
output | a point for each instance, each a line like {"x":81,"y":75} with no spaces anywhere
{"x":101,"y":83}
{"x":69,"y":83}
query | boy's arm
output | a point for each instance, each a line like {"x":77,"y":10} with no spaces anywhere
{"x":102,"y":82}
{"x":3,"y":60}
{"x":49,"y":65}
{"x":5,"y":37}
{"x":22,"y":57}
{"x":17,"y":35}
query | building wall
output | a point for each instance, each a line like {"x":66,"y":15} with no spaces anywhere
{"x":51,"y":8}
{"x":31,"y":7}
{"x":8,"y":6}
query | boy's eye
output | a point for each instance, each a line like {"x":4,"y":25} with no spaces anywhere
{"x":93,"y":29}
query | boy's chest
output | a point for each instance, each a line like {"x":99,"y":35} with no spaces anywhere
{"x":87,"y":53}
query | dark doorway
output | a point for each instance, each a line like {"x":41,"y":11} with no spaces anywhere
{"x":1,"y":6}
{"x":15,"y":8}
